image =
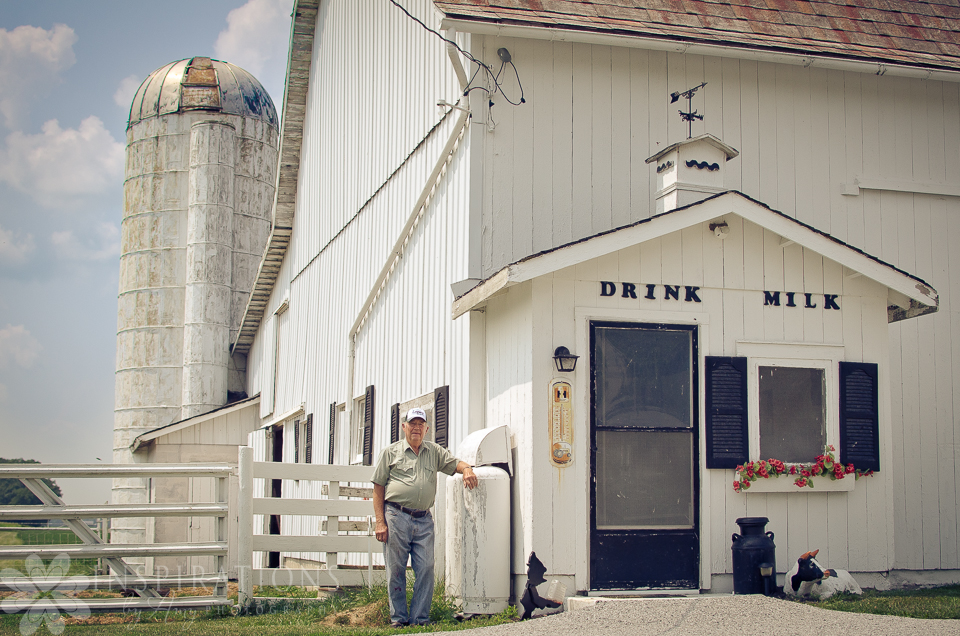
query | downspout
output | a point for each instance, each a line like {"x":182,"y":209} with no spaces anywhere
{"x":433,"y":181}
{"x":419,"y":208}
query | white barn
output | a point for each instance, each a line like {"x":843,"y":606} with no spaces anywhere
{"x":440,"y":254}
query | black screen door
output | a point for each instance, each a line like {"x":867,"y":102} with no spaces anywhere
{"x":644,"y":500}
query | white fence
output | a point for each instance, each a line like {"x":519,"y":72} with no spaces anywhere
{"x":330,"y":542}
{"x":122,"y":575}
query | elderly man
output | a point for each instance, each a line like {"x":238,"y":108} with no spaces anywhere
{"x":404,"y":487}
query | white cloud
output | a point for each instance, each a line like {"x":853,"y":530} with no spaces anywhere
{"x":105,"y":245}
{"x":14,"y":249}
{"x":31,"y":60}
{"x":58,"y":164}
{"x":257,"y":33}
{"x":127,"y":90}
{"x":18,"y":346}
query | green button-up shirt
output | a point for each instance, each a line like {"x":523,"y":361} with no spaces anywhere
{"x":410,"y":479}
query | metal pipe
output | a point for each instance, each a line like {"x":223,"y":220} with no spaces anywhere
{"x":710,"y":50}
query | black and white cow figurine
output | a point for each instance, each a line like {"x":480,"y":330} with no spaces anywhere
{"x":809,"y":579}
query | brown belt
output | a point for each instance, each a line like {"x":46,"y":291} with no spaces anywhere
{"x":416,"y":514}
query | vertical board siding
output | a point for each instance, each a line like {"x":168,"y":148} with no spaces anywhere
{"x":803,"y":133}
{"x":367,"y":151}
{"x":547,"y":498}
{"x":570,"y":163}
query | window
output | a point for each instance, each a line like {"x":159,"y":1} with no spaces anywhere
{"x":356,"y":430}
{"x":793,"y":412}
{"x":303,"y":440}
{"x":787,"y":401}
{"x":793,"y":407}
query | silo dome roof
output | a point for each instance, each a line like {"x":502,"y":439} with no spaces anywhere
{"x":200,"y":83}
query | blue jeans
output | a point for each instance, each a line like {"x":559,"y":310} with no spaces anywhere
{"x":413,"y":538}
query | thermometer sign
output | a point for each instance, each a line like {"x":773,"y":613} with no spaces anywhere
{"x":561,"y":425}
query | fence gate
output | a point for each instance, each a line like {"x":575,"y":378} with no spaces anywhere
{"x":122,"y":575}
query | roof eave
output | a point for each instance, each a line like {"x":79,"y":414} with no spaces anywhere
{"x":908,"y":295}
{"x":288,"y":170}
{"x":694,"y":46}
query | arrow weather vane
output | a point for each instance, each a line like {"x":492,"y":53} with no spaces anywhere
{"x":690,"y":115}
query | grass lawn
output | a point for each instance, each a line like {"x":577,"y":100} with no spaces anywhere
{"x":938,"y":602}
{"x":354,"y":612}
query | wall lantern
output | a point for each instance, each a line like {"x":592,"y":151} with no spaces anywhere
{"x":565,"y":360}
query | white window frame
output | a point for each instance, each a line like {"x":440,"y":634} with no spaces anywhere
{"x":355,"y":447}
{"x":795,"y":355}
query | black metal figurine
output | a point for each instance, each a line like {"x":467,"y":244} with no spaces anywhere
{"x":531,"y":599}
{"x":691,"y":114}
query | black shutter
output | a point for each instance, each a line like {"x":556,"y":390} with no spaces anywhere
{"x":333,"y":430}
{"x":308,"y":449}
{"x":441,"y":415}
{"x":859,"y":415}
{"x":368,"y":427}
{"x":727,"y":442}
{"x":394,"y":423}
{"x":296,"y":441}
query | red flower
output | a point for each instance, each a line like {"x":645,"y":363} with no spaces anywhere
{"x":793,"y":470}
{"x":804,"y":472}
{"x":850,"y":468}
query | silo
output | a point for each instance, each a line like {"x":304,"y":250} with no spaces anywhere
{"x":199,"y":185}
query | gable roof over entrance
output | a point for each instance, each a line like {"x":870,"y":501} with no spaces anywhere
{"x":908,"y":295}
{"x":903,"y":32}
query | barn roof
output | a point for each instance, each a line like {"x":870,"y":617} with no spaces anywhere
{"x":913,"y":33}
{"x":908,"y":295}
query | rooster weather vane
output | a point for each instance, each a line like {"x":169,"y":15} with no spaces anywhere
{"x":691,"y":114}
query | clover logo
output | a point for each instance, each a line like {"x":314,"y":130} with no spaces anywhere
{"x":44,"y":588}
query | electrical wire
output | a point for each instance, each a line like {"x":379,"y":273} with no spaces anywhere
{"x":497,"y":86}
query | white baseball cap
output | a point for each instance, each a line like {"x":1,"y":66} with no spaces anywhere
{"x":413,"y":414}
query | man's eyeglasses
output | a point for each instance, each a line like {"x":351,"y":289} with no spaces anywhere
{"x":420,"y":424}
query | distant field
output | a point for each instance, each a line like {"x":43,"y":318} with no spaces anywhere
{"x":43,"y":536}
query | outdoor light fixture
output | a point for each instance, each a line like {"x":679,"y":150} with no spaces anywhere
{"x":766,"y":571}
{"x":565,"y":360}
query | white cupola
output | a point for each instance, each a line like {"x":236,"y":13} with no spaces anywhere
{"x":690,"y":170}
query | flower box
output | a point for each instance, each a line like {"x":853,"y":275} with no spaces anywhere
{"x":825,"y":474}
{"x":784,"y":483}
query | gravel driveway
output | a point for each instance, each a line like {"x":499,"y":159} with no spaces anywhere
{"x":718,"y":616}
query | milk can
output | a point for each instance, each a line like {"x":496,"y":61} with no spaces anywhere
{"x":753,"y":548}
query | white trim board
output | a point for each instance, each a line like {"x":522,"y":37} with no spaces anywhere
{"x":283,"y":417}
{"x":732,"y":202}
{"x":899,"y":185}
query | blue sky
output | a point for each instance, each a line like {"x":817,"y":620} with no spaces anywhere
{"x":68,"y":71}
